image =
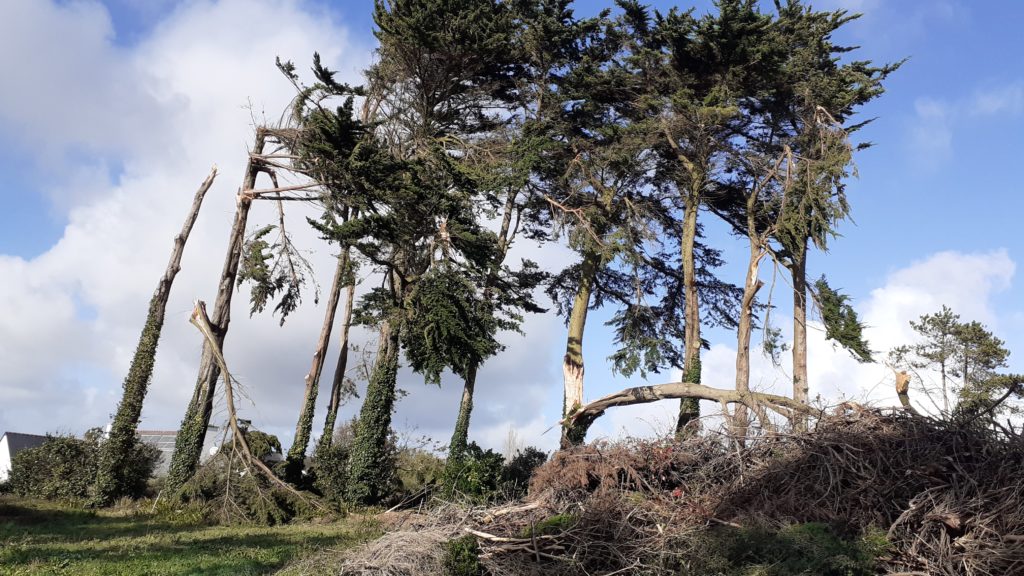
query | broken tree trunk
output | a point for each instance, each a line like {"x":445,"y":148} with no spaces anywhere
{"x":338,"y":385}
{"x":304,"y":425}
{"x":581,"y":419}
{"x":189,"y":442}
{"x":119,"y":446}
{"x":200,"y":320}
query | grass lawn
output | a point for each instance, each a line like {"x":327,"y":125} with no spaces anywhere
{"x":45,"y":538}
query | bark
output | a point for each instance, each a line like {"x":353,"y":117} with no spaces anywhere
{"x":903,"y":389}
{"x":756,"y":401}
{"x":460,"y":437}
{"x":689,"y":408}
{"x":115,"y":452}
{"x":189,"y":442}
{"x":370,"y":469}
{"x":745,"y":323}
{"x":304,"y":425}
{"x":572,"y":363}
{"x":800,"y":386}
{"x":341,"y":368}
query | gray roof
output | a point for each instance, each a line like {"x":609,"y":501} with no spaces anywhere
{"x":16,"y":441}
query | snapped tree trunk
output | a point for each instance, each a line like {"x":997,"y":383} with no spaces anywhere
{"x":800,"y":386}
{"x":572,"y":363}
{"x":369,"y":467}
{"x":340,"y":369}
{"x":189,"y":442}
{"x":689,"y":408}
{"x":752,"y":284}
{"x":304,"y":425}
{"x":119,"y":447}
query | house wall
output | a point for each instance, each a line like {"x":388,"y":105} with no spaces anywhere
{"x":5,"y":459}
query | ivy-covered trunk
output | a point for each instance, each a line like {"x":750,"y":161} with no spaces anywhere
{"x":572,"y":363}
{"x":304,"y":425}
{"x":460,"y":437}
{"x":369,"y":467}
{"x":800,"y":385}
{"x":689,"y":408}
{"x":188,"y":445}
{"x":120,"y":445}
{"x":338,"y":382}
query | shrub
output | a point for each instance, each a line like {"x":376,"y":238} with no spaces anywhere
{"x":418,"y":469}
{"x":462,"y":557}
{"x":515,"y":476}
{"x":478,"y":473}
{"x":61,"y":468}
{"x":329,"y":472}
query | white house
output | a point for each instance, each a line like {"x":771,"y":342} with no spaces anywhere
{"x":10,"y":444}
{"x":164,"y":441}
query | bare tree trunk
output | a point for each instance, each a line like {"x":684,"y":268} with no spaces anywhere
{"x":117,"y":450}
{"x":572,"y":363}
{"x":338,"y":382}
{"x":800,"y":386}
{"x":752,"y":284}
{"x":189,"y":442}
{"x":304,"y":425}
{"x":689,"y":408}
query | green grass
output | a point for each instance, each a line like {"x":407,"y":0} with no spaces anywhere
{"x":46,"y":538}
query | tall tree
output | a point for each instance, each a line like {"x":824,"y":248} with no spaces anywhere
{"x":965,"y":356}
{"x":188,"y":444}
{"x":121,"y":443}
{"x":814,"y":96}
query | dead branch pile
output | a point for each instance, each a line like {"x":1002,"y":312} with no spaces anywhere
{"x":949,"y":496}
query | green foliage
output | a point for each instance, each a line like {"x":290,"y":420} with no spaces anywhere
{"x":551,"y":525}
{"x":515,"y":476}
{"x":477,"y":474}
{"x":122,"y":459}
{"x":371,"y":462}
{"x":462,"y":557}
{"x":966,"y":356}
{"x":64,"y":468}
{"x":811,"y":549}
{"x":273,"y":269}
{"x":418,"y":469}
{"x":447,"y":325}
{"x":841,"y":322}
{"x":262,"y":444}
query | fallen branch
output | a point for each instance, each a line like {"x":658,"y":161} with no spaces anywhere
{"x":202,"y":322}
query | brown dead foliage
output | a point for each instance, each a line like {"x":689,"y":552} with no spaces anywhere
{"x":949,"y":494}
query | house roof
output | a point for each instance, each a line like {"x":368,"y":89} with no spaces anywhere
{"x":16,"y":441}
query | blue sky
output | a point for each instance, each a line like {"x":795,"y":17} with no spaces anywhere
{"x":113,"y":111}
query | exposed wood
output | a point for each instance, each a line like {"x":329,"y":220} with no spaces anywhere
{"x":189,"y":442}
{"x":304,"y":425}
{"x":200,"y":320}
{"x":755,"y":401}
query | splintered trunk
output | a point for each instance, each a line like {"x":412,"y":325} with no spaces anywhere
{"x":116,"y":452}
{"x":189,"y":443}
{"x":369,"y":466}
{"x":741,"y":418}
{"x":572,"y":364}
{"x":304,"y":425}
{"x":800,"y":387}
{"x":689,"y":408}
{"x":338,"y":383}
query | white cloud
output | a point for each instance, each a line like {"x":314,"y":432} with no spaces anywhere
{"x":1005,"y":100}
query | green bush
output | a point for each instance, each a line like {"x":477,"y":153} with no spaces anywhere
{"x":418,"y":469}
{"x":61,"y":468}
{"x":330,"y":470}
{"x":515,"y":476}
{"x":462,"y":557}
{"x":478,"y":473}
{"x":811,"y":548}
